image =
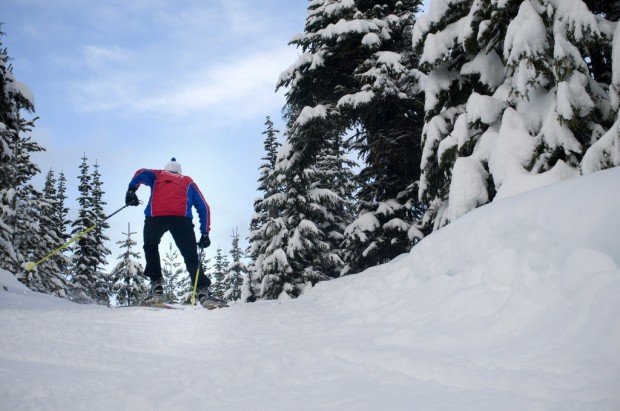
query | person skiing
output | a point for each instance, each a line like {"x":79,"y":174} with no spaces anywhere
{"x":170,"y":209}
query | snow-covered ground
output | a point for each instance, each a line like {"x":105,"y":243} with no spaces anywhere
{"x":515,"y":306}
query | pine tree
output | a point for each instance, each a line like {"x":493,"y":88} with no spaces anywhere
{"x":236,"y":272}
{"x":50,"y":276}
{"x":514,"y":89}
{"x":336,"y":172}
{"x":217,"y":276}
{"x":9,"y":127}
{"x":271,"y":265}
{"x":18,"y":199}
{"x":27,"y":202}
{"x":129,"y":285}
{"x":61,"y":217}
{"x":102,"y":281}
{"x":264,"y":213}
{"x":386,"y":106}
{"x":85,"y":257}
{"x":355,"y":72}
{"x":176,"y":283}
{"x":62,"y":212}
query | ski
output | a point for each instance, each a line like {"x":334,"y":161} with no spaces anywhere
{"x":147,"y":305}
{"x":157,"y":305}
{"x":212,"y":303}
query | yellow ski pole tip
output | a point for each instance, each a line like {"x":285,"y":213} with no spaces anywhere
{"x":29,"y":266}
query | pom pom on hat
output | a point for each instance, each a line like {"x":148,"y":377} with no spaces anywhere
{"x":173,"y":166}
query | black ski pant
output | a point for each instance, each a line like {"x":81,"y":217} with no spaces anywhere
{"x":182,"y":230}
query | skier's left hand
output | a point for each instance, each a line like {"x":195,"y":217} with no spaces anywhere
{"x":204,"y":241}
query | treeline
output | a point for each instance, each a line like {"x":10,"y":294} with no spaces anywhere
{"x":446,"y":111}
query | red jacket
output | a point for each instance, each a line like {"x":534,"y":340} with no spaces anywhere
{"x":172,"y":195}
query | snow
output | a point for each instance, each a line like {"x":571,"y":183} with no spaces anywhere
{"x":371,"y":40}
{"x":526,"y":35}
{"x":488,"y":66}
{"x":438,"y":45}
{"x":310,"y":113}
{"x":339,"y":7}
{"x":572,"y":95}
{"x":438,"y":80}
{"x":615,"y":70}
{"x":603,"y":153}
{"x":513,"y":306}
{"x":485,"y":109}
{"x":21,"y":88}
{"x":366,"y":222}
{"x":521,"y":182}
{"x":512,"y":150}
{"x":347,"y":27}
{"x":576,"y":19}
{"x":468,"y":189}
{"x":355,"y":100}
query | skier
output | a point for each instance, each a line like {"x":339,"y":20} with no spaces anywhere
{"x":169,"y":209}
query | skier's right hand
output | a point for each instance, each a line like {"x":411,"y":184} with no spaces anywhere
{"x":131,"y":199}
{"x":204,"y":241}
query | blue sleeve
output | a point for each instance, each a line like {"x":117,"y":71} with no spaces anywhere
{"x":204,"y":213}
{"x":142,"y":176}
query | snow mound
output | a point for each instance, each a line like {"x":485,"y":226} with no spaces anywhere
{"x":513,"y":306}
{"x":528,"y":284}
{"x":15,"y":295}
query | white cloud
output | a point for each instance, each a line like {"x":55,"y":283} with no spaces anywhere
{"x":242,"y":87}
{"x":243,"y":83}
{"x":98,"y":56}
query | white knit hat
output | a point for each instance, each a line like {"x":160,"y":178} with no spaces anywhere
{"x":173,"y":166}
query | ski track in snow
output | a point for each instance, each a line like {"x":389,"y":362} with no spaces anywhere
{"x":513,"y":306}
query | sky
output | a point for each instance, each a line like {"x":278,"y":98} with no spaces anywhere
{"x":133,"y":83}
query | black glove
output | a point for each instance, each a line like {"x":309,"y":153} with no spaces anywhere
{"x":204,"y":241}
{"x":131,"y":199}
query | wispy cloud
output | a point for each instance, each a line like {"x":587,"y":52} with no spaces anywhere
{"x":220,"y":56}
{"x":242,"y":84}
{"x":241,"y":87}
{"x":100,"y":56}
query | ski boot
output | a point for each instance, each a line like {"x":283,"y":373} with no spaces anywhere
{"x":207,"y":301}
{"x":156,"y":295}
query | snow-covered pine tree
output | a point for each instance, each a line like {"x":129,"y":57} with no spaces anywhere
{"x":8,"y":133}
{"x":176,"y":283}
{"x":17,"y":196}
{"x":49,"y":277}
{"x":236,"y":272}
{"x":271,"y":265}
{"x":217,"y":276}
{"x":356,"y":71}
{"x":129,"y":286}
{"x":265,"y":214}
{"x":85,"y":253}
{"x":605,"y":63}
{"x":386,"y":107}
{"x":512,"y":100}
{"x":62,"y":212}
{"x":62,"y":219}
{"x":331,"y":50}
{"x":26,"y":221}
{"x":102,"y":281}
{"x":320,"y":76}
{"x":335,"y":171}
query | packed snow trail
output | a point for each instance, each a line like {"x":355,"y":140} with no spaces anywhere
{"x":513,"y":306}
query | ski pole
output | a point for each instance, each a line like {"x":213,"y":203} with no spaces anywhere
{"x":193,"y":302}
{"x":29,"y":266}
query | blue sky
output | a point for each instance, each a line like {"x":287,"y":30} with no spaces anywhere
{"x":133,"y":83}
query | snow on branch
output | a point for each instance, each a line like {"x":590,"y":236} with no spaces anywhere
{"x":311,"y":113}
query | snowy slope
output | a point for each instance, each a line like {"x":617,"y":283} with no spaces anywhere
{"x":513,"y":306}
